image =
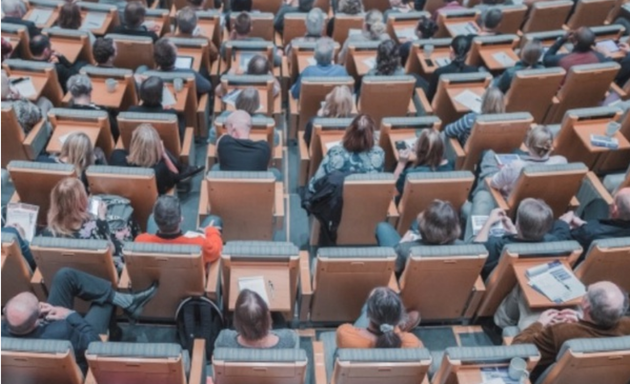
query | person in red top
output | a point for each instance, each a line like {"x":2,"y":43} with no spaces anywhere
{"x":583,"y":40}
{"x":167,"y":216}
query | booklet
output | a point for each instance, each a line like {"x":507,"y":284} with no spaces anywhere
{"x":467,"y":28}
{"x":555,"y":281}
{"x":478,"y":221}
{"x":604,"y":141}
{"x":370,"y":62}
{"x":168,"y":99}
{"x":442,"y":61}
{"x":245,"y":57}
{"x":24,"y":216}
{"x":498,"y":375}
{"x":470,"y":100}
{"x":406,"y":33}
{"x":504,"y":59}
{"x":24,"y":85}
{"x":40,"y":16}
{"x":230,"y":98}
{"x":608,"y":45}
{"x":256,"y":284}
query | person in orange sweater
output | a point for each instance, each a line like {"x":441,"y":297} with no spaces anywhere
{"x":167,"y":217}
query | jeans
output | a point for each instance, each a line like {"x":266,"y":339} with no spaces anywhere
{"x":388,"y":236}
{"x":69,"y":284}
{"x":482,"y":204}
{"x":24,"y":247}
{"x":152,"y":226}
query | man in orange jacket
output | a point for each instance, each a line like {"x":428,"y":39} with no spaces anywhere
{"x":167,"y":215}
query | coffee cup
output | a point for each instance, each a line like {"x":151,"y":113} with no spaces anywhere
{"x":612,"y":128}
{"x":428,"y":50}
{"x":178,"y":84}
{"x":111,"y":85}
{"x":518,"y":369}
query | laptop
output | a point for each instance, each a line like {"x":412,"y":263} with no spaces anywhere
{"x":183,"y":62}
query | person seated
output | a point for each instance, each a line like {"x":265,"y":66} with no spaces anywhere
{"x":248,"y":100}
{"x":603,"y":315}
{"x":187,"y":27}
{"x":243,"y":27}
{"x":534,"y":224}
{"x":291,"y":6}
{"x":13,"y":12}
{"x":80,"y":88}
{"x":151,"y":97}
{"x":104,"y":52}
{"x":28,"y":114}
{"x":167,"y":217}
{"x":374,"y":29}
{"x":425,"y":29}
{"x":383,"y":323}
{"x":489,"y":21}
{"x":492,"y":102}
{"x":135,"y":12}
{"x":438,"y":224}
{"x":448,"y":6}
{"x":529,"y":59}
{"x":252,"y":327}
{"x":345,"y":7}
{"x":236,"y":7}
{"x":460,"y":46}
{"x":41,"y":50}
{"x":583,"y":40}
{"x":314,"y":23}
{"x":338,"y":103}
{"x":165,"y":56}
{"x":28,"y":318}
{"x":357,"y":152}
{"x":387,"y":62}
{"x":257,"y":66}
{"x":429,"y":153}
{"x":236,"y":151}
{"x":325,"y":67}
{"x":70,"y":18}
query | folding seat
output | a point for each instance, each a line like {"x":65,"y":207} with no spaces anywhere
{"x":18,"y":37}
{"x":108,"y":13}
{"x":99,"y":75}
{"x":136,"y":184}
{"x":295,"y":26}
{"x":617,"y":181}
{"x":513,"y":17}
{"x":43,"y":13}
{"x":369,"y":366}
{"x":606,"y":260}
{"x":239,"y":52}
{"x":534,"y":181}
{"x":547,"y":16}
{"x":450,"y":86}
{"x":503,"y":278}
{"x":590,"y":13}
{"x":95,"y":124}
{"x":343,"y":24}
{"x":43,"y":77}
{"x":44,"y":176}
{"x":156,"y":363}
{"x":16,"y":273}
{"x":133,"y":51}
{"x":302,"y":53}
{"x":74,"y":44}
{"x":395,"y":129}
{"x":209,"y":22}
{"x":39,"y":361}
{"x":402,"y":26}
{"x":442,"y":282}
{"x":342,"y":278}
{"x":396,"y":90}
{"x":494,"y":52}
{"x":533,"y":90}
{"x":197,"y":48}
{"x":249,"y":365}
{"x":585,"y":361}
{"x":276,"y":262}
{"x":248,"y":202}
{"x":592,"y":189}
{"x":417,"y":62}
{"x":270,"y":105}
{"x":361,"y":57}
{"x":453,"y":22}
{"x":16,"y":145}
{"x":262,"y":24}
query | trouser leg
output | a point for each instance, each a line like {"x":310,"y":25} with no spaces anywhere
{"x":70,"y":283}
{"x":507,"y":314}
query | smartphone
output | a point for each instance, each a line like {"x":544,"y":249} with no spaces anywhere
{"x":429,"y":62}
{"x":401,"y":145}
{"x":93,"y":205}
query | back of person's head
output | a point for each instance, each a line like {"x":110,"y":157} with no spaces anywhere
{"x":22,"y":313}
{"x":239,"y":124}
{"x":79,"y":86}
{"x":151,"y":91}
{"x":534,"y":219}
{"x":167,"y":214}
{"x":531,"y":52}
{"x":460,"y":45}
{"x":439,"y":224}
{"x":350,"y":7}
{"x":314,"y":22}
{"x":252,"y":318}
{"x":69,"y":16}
{"x":165,"y":54}
{"x":14,"y":8}
{"x":606,"y":303}
{"x":248,"y":100}
{"x":68,"y":206}
{"x":583,"y":39}
{"x":78,"y":151}
{"x":103,"y":50}
{"x":387,"y":58}
{"x":241,"y":5}
{"x":39,"y":44}
{"x":429,"y":149}
{"x":539,"y":141}
{"x":258,"y":65}
{"x":135,"y":11}
{"x":621,"y":207}
{"x":305,"y":5}
{"x":145,"y":149}
{"x":338,"y":102}
{"x":385,"y":311}
{"x":491,"y":18}
{"x":243,"y":24}
{"x":426,"y":27}
{"x":493,"y":101}
{"x":359,"y":136}
{"x":187,"y":20}
{"x":324,"y":51}
{"x":374,"y":24}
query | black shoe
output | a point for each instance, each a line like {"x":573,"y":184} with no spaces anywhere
{"x":189,"y":172}
{"x":139,"y":300}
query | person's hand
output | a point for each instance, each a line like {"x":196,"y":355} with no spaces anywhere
{"x":496,"y":215}
{"x":404,"y":155}
{"x":44,"y":309}
{"x":568,"y":217}
{"x":102,"y":210}
{"x":508,"y":224}
{"x":53,"y":59}
{"x":58,"y":313}
{"x":155,"y":28}
{"x":546,"y":318}
{"x":576,"y":222}
{"x":566,"y":316}
{"x":624,"y":47}
{"x":19,"y":228}
{"x":233,"y":34}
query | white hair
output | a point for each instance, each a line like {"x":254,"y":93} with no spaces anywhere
{"x":315,"y":22}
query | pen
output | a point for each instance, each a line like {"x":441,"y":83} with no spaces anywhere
{"x":271,"y":289}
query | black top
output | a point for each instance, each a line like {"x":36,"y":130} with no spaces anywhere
{"x":165,"y":179}
{"x":30,"y":26}
{"x":65,"y":70}
{"x":141,"y":31}
{"x":599,"y":229}
{"x":181,"y":124}
{"x":113,"y":122}
{"x":451,"y":68}
{"x":243,"y":154}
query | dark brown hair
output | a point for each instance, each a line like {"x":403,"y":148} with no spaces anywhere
{"x":439,"y":224}
{"x":429,"y":149}
{"x":252,"y":319}
{"x":359,"y":136}
{"x":134,"y":14}
{"x":69,"y":16}
{"x":164,"y":54}
{"x":243,"y":23}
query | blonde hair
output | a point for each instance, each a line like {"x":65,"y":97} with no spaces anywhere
{"x":145,"y":149}
{"x":374,"y":24}
{"x":68,"y":207}
{"x":493,"y":101}
{"x":338,"y":102}
{"x":78,"y":151}
{"x":539,"y":141}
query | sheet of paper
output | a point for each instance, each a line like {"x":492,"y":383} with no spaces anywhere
{"x":370,"y":62}
{"x":496,"y":375}
{"x":230,"y":97}
{"x":406,"y":33}
{"x":470,"y":100}
{"x":245,"y":57}
{"x":255,"y":284}
{"x":504,"y":59}
{"x":442,"y":61}
{"x":25,"y":87}
{"x":193,"y":234}
{"x":63,"y":138}
{"x":466,"y":28}
{"x":93,"y":20}
{"x":332,"y":144}
{"x":23,"y":216}
{"x":411,"y":142}
{"x":478,"y":222}
{"x":168,"y":99}
{"x":608,"y":45}
{"x":40,"y":16}
{"x":149,"y":24}
{"x":558,"y":284}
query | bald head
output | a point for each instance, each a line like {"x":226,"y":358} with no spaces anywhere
{"x":21,"y":313}
{"x":621,"y":209}
{"x":605,"y":303}
{"x":239,"y":124}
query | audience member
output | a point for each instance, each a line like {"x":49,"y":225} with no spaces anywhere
{"x":374,"y":29}
{"x":135,"y":12}
{"x":314,"y":23}
{"x":258,"y":66}
{"x":27,"y":113}
{"x":165,"y":55}
{"x":583,"y":40}
{"x":530,"y":56}
{"x":291,"y":6}
{"x":7,"y":48}
{"x":492,"y":102}
{"x":42,"y":51}
{"x":425,"y":29}
{"x":459,"y":53}
{"x":80,"y":88}
{"x":339,"y":103}
{"x":13,"y":12}
{"x":346,"y":7}
{"x":448,"y":5}
{"x":104,"y":52}
{"x":236,"y":151}
{"x":396,"y":6}
{"x":243,"y":27}
{"x":70,"y":18}
{"x":489,"y":21}
{"x":187,"y":27}
{"x":387,"y":60}
{"x":325,"y":67}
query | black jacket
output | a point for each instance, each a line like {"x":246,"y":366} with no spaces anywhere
{"x":30,"y":26}
{"x":599,"y":229}
{"x":451,"y":68}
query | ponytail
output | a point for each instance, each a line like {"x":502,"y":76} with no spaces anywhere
{"x":388,"y":338}
{"x":460,"y":46}
{"x":385,"y":311}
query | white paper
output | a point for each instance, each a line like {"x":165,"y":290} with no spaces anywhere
{"x":545,"y":49}
{"x":168,"y":99}
{"x":496,"y":375}
{"x":311,"y":61}
{"x":332,"y":144}
{"x":25,"y":87}
{"x":496,"y":380}
{"x":230,"y":97}
{"x":442,"y":61}
{"x":245,"y":57}
{"x":608,"y":45}
{"x":40,"y":16}
{"x":24,"y":216}
{"x":183,"y":62}
{"x":478,"y":222}
{"x":504,"y":59}
{"x":63,"y":138}
{"x":370,"y":62}
{"x":409,"y":143}
{"x":255,"y":284}
{"x":406,"y":33}
{"x":467,"y":28}
{"x":470,"y":100}
{"x":149,"y":24}
{"x":354,"y":32}
{"x":557,"y":283}
{"x":93,"y":20}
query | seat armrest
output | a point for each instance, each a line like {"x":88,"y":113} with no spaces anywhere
{"x":574,"y":203}
{"x":187,"y":154}
{"x":37,"y":283}
{"x":89,"y":378}
{"x":202,"y":115}
{"x":305,"y":160}
{"x":124,"y":283}
{"x":455,"y":152}
{"x":617,"y":89}
{"x":279,"y":202}
{"x":424,"y":101}
{"x":204,"y":204}
{"x":306,"y":286}
{"x":477,"y":294}
{"x":198,"y":363}
{"x":36,"y":140}
{"x":496,"y":195}
{"x":212,"y":280}
{"x":211,"y":156}
{"x":393,"y":283}
{"x":411,"y":109}
{"x":319,"y":357}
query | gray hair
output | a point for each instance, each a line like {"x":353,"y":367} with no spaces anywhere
{"x":324,"y":51}
{"x":167,"y":213}
{"x":13,"y":8}
{"x":187,"y":20}
{"x":315,"y":22}
{"x":605,"y":310}
{"x":79,"y":85}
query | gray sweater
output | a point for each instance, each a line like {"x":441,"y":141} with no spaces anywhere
{"x":287,"y":338}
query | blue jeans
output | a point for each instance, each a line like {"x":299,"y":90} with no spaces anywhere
{"x":152,"y":226}
{"x":388,"y":236}
{"x":24,"y":247}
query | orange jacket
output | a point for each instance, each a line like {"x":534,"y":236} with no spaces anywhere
{"x":211,"y":244}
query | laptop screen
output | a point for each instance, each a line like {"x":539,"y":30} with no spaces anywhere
{"x":183,"y":62}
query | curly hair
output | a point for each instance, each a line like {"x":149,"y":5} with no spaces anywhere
{"x":387,"y":58}
{"x":350,"y":7}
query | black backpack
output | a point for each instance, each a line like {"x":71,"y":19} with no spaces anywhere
{"x":198,"y":318}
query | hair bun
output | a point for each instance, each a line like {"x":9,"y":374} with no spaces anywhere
{"x":386,"y":328}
